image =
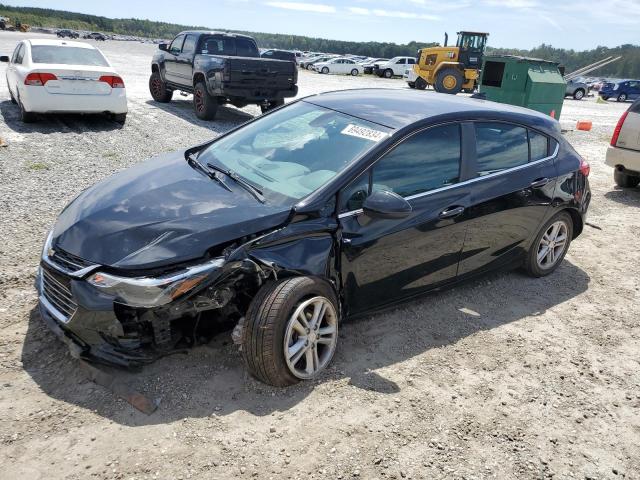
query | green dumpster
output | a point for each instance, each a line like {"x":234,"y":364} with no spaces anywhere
{"x":527,"y":82}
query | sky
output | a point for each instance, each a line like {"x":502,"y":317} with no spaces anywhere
{"x":511,"y":23}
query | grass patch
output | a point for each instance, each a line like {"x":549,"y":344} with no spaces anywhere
{"x":38,"y":166}
{"x":110,"y":155}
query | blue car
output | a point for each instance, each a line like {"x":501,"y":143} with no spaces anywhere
{"x":622,"y":91}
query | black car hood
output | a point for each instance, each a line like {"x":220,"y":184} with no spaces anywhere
{"x":158,"y":213}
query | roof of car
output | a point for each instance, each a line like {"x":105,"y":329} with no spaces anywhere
{"x":59,"y":43}
{"x":398,"y":108}
{"x":215,"y":32}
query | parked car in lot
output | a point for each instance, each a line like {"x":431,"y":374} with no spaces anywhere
{"x":95,"y":36}
{"x":576,"y":89}
{"x":622,"y":90}
{"x":306,"y":60}
{"x":394,"y":67}
{"x":623,"y":153}
{"x":333,"y":206}
{"x":220,"y":68}
{"x":59,"y":76}
{"x":65,"y":33}
{"x":344,"y":66}
{"x":370,"y":65}
{"x":310,"y":64}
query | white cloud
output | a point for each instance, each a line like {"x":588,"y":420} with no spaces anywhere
{"x":304,"y":7}
{"x":513,"y":4}
{"x":391,"y":13}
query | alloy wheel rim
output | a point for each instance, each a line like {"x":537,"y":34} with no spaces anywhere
{"x":155,"y":84}
{"x":199,"y":101}
{"x":311,"y":337}
{"x":579,"y":94}
{"x":552,"y":245}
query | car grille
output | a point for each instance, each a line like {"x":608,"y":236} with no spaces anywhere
{"x":69,"y":261}
{"x":57,"y":290}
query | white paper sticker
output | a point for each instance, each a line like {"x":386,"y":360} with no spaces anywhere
{"x":364,"y":132}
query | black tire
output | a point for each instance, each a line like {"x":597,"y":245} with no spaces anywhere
{"x":625,"y":180}
{"x":531,"y":263}
{"x":578,"y":94}
{"x":411,"y":84}
{"x":120,"y":118}
{"x":446,"y":73}
{"x":604,"y":97}
{"x":26,"y":117}
{"x":13,"y":99}
{"x":325,"y":70}
{"x":421,"y":84}
{"x":354,"y":72}
{"x":204,"y":104}
{"x":308,"y":67}
{"x":388,"y":73}
{"x":266,"y":323}
{"x":467,"y":90}
{"x":622,"y":97}
{"x":158,"y":88}
{"x":271,"y":105}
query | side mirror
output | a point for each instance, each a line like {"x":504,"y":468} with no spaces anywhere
{"x":4,"y":58}
{"x":163,"y":46}
{"x":385,"y":204}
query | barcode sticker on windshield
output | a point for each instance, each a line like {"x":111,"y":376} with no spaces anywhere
{"x":364,"y":132}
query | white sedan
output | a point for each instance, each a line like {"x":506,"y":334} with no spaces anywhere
{"x":339,"y":65}
{"x":59,"y":76}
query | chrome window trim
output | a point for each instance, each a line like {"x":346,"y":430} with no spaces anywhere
{"x":466,"y":182}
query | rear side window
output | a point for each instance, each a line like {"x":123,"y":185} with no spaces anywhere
{"x":538,"y":146}
{"x":500,"y":146}
{"x":425,"y":161}
{"x":67,"y":55}
{"x":246,"y":48}
{"x":19,"y":55}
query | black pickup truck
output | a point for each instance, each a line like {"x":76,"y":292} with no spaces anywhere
{"x":220,"y":68}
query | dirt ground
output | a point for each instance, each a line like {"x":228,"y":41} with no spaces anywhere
{"x":507,"y":377}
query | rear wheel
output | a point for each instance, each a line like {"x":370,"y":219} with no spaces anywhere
{"x":120,"y":118}
{"x":158,"y":88}
{"x":550,"y":246}
{"x":388,"y":73}
{"x":291,"y":331}
{"x":421,"y":84}
{"x":354,"y":72}
{"x":622,"y":97}
{"x":578,"y":94}
{"x":625,"y":180}
{"x":449,"y":80}
{"x":13,"y":99}
{"x":271,"y":105}
{"x":204,"y":104}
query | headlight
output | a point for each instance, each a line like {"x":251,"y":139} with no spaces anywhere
{"x":153,"y":291}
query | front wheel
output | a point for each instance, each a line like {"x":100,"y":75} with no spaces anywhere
{"x":550,"y":246}
{"x":624,"y":180}
{"x":158,"y":88}
{"x":354,"y":72}
{"x":578,"y":94}
{"x":204,"y":104}
{"x":325,"y":70}
{"x":388,"y":73}
{"x":449,"y":80}
{"x":291,"y":331}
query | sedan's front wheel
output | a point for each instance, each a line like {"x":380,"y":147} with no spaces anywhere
{"x":550,"y":245}
{"x":291,"y":331}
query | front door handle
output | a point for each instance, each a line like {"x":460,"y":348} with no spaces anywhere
{"x":451,"y":212}
{"x":541,"y":182}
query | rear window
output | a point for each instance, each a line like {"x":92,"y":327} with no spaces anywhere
{"x":67,"y":55}
{"x":242,"y":47}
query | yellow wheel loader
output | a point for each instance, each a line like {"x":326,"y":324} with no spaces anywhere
{"x":450,"y":69}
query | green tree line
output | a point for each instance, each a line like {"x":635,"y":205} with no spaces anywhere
{"x":628,"y":66}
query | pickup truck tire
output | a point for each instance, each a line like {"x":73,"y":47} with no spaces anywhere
{"x":449,"y":80}
{"x":271,"y":105}
{"x":388,"y":73}
{"x":158,"y":89}
{"x":624,"y":180}
{"x":280,"y":318}
{"x":204,"y":104}
{"x":578,"y":94}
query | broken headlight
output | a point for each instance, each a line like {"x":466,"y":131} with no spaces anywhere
{"x":154,"y":291}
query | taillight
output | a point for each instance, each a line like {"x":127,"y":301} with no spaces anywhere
{"x":113,"y":81}
{"x":585,"y":168}
{"x":39,"y":79}
{"x":616,"y":132}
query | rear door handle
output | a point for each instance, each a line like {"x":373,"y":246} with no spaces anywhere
{"x":451,"y":212}
{"x":541,"y":182}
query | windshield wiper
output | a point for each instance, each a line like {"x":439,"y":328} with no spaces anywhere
{"x":249,"y":187}
{"x":193,"y":161}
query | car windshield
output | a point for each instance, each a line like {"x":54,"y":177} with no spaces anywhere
{"x":292,"y":152}
{"x":67,"y":55}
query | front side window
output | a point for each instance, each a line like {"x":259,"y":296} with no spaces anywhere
{"x":425,"y":161}
{"x":176,"y":46}
{"x":500,"y":146}
{"x":189,"y":44}
{"x":67,"y":55}
{"x":354,"y":195}
{"x":292,"y":152}
{"x":401,"y":61}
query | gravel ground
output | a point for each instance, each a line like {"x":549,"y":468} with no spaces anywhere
{"x":505,"y":377}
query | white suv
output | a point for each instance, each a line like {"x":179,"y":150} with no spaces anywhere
{"x":394,"y":67}
{"x":624,"y":152}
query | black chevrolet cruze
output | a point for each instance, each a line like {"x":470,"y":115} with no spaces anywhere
{"x":335,"y":205}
